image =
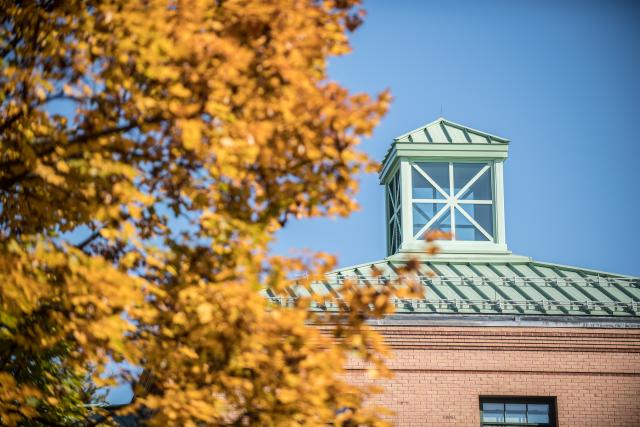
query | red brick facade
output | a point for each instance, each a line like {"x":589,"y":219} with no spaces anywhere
{"x":440,"y":373}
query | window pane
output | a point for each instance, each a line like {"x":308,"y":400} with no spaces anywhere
{"x":422,"y":214}
{"x":538,"y":413}
{"x":519,"y":411}
{"x":392,"y":198}
{"x":481,"y":189}
{"x":493,"y":412}
{"x":398,"y":235}
{"x":464,"y":172}
{"x":396,"y":190}
{"x":443,"y":223}
{"x":516,"y":413}
{"x":421,"y":188}
{"x":465,"y":230}
{"x":392,"y":236}
{"x":439,"y":172}
{"x":482,"y":214}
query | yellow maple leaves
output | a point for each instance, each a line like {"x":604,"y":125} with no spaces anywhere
{"x":149,"y":152}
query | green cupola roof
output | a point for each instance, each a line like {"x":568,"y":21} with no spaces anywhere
{"x":443,"y":131}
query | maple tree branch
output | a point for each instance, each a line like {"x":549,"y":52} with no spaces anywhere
{"x":19,"y":114}
{"x":11,"y":120}
{"x":88,"y":240}
{"x":8,"y":182}
{"x":104,"y":132}
{"x":10,"y":46}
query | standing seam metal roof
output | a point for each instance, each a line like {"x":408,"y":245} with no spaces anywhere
{"x":481,"y":287}
{"x":443,"y":131}
{"x":494,"y":285}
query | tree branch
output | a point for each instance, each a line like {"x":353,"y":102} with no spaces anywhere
{"x":9,"y":181}
{"x":88,"y":240}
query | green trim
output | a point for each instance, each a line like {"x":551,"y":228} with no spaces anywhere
{"x":444,"y":152}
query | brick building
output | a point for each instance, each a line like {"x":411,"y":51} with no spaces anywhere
{"x":500,"y":339}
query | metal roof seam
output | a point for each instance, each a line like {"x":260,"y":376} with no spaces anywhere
{"x":533,"y":285}
{"x":485,"y":287}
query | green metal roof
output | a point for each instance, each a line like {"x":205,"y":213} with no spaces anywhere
{"x":479,"y":282}
{"x":443,"y":131}
{"x":444,"y":138}
{"x":513,"y":285}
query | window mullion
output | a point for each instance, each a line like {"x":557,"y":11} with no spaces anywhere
{"x":452,"y":213}
{"x":452,"y":202}
{"x":439,"y":201}
{"x":475,"y":202}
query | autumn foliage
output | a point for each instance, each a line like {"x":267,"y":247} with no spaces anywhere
{"x":149,"y":152}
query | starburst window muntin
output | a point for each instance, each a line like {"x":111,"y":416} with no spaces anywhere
{"x":453,"y":196}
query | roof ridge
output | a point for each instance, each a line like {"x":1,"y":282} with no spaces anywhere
{"x":453,"y":124}
{"x":436,"y":121}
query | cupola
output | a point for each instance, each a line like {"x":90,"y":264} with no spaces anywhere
{"x":445,"y":176}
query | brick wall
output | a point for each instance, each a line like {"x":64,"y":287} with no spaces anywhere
{"x":440,"y":372}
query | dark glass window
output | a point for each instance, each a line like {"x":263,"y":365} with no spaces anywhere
{"x":517,"y":411}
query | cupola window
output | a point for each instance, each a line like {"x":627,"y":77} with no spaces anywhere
{"x":453,"y":196}
{"x":394,"y":207}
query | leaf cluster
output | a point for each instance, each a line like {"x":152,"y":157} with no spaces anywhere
{"x":148,"y":153}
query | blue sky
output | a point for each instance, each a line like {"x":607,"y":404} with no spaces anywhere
{"x":560,"y":79}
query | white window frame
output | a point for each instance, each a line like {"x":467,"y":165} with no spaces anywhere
{"x":452,"y":201}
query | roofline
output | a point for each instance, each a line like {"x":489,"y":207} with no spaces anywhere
{"x":496,"y":258}
{"x":439,"y":119}
{"x":589,"y":270}
{"x":507,"y":320}
{"x":353,"y":267}
{"x":442,"y":119}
